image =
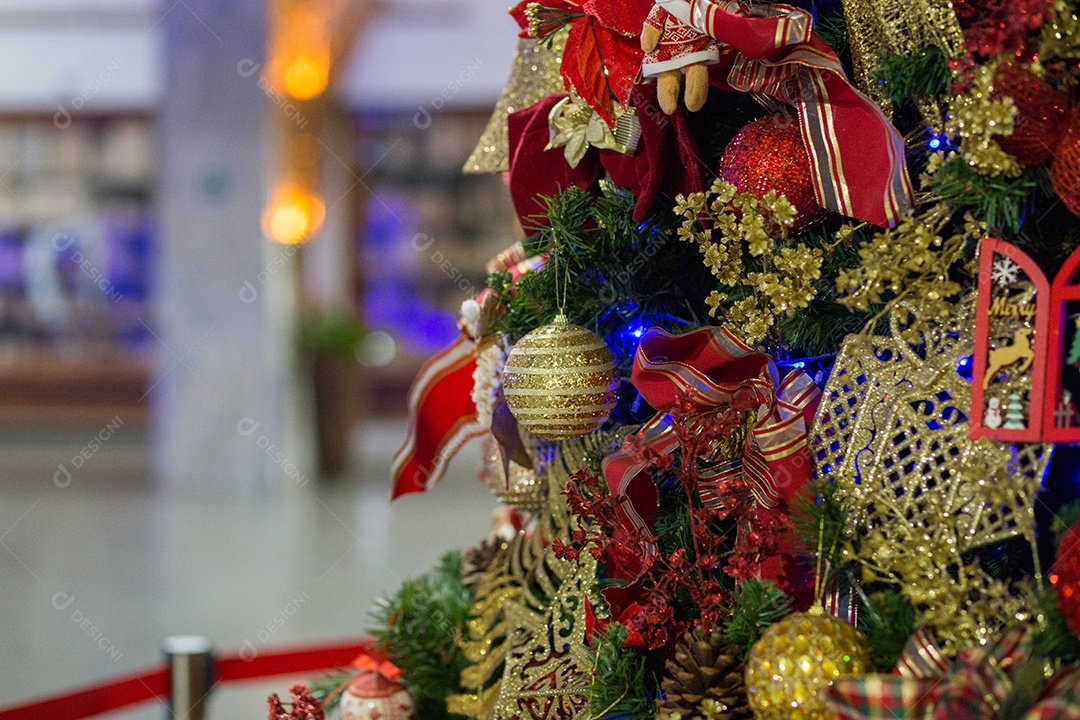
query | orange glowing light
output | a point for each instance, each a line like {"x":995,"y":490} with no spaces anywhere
{"x":307,"y":75}
{"x":294,"y":215}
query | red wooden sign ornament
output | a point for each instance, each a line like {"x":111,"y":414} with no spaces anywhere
{"x":1012,"y":336}
{"x":1059,"y":414}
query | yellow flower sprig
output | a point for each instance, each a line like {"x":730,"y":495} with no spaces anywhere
{"x":912,"y":263}
{"x":737,"y":234}
{"x":974,"y":118}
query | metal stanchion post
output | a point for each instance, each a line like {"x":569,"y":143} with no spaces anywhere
{"x":190,"y":661}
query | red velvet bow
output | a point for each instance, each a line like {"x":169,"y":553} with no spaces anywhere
{"x":667,"y":159}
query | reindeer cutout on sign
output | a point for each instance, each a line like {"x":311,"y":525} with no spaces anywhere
{"x":1019,"y":351}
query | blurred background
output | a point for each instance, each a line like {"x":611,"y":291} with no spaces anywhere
{"x":230,"y":233}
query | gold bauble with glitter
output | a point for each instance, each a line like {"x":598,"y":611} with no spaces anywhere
{"x":561,"y":380}
{"x":796,"y":658}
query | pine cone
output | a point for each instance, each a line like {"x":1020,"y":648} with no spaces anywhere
{"x":476,"y":560}
{"x":701,"y":671}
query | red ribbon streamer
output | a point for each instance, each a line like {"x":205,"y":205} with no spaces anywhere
{"x":857,"y":155}
{"x":442,"y":414}
{"x":153,"y":683}
{"x":442,"y":418}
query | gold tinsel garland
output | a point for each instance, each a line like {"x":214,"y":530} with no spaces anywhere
{"x":892,"y":431}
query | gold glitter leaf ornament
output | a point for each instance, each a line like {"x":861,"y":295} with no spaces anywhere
{"x":892,"y":432}
{"x":797,"y":657}
{"x":534,"y":76}
{"x":879,"y":28}
{"x":561,"y":380}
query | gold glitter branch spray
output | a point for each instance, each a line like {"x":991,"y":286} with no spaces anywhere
{"x":561,"y":381}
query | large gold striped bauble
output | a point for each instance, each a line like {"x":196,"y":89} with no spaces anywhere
{"x":561,"y":381}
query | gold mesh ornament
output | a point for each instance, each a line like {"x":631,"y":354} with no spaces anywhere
{"x":878,"y":28}
{"x":795,"y":658}
{"x":892,"y":432}
{"x":534,"y":76}
{"x":560,"y":380}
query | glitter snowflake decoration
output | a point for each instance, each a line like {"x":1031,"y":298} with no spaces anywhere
{"x":1005,"y":272}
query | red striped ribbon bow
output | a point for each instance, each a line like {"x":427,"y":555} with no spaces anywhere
{"x":709,"y":367}
{"x":856,"y":153}
{"x":442,"y":414}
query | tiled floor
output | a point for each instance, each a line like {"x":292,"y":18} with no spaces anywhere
{"x":93,"y":574}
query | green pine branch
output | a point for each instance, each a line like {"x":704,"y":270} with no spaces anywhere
{"x":888,"y":620}
{"x":1054,"y":639}
{"x":1065,"y":517}
{"x":606,"y":271}
{"x":820,"y":516}
{"x":1003,"y":203}
{"x":417,"y":626}
{"x":910,"y":76}
{"x":757,"y":605}
{"x":622,"y":686}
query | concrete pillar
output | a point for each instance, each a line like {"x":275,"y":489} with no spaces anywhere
{"x":224,"y":388}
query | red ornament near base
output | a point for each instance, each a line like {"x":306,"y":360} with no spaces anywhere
{"x":376,"y":695}
{"x":768,"y":154}
{"x":1066,"y":577}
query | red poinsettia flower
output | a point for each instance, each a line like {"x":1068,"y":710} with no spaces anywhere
{"x":602,"y":56}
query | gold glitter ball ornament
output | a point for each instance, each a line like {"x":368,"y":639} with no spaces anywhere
{"x":796,"y":658}
{"x":561,"y":381}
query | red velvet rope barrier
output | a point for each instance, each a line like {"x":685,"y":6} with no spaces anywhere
{"x":153,"y":683}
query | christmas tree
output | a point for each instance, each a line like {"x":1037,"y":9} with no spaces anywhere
{"x":1074,"y":349}
{"x":1014,"y":413}
{"x":749,"y":239}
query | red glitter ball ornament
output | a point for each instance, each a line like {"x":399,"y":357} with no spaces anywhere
{"x":1065,"y":169}
{"x":1066,"y":577}
{"x":768,"y":154}
{"x":1041,"y":114}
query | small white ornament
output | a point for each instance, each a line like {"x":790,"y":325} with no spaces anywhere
{"x":372,"y":697}
{"x":992,"y":419}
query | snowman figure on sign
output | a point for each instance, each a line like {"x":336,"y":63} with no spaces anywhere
{"x":992,"y":419}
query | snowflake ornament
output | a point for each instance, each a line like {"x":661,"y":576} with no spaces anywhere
{"x":1005,"y":272}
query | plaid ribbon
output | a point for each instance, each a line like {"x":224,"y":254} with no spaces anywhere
{"x":856,"y":153}
{"x":974,"y":687}
{"x":708,"y":367}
